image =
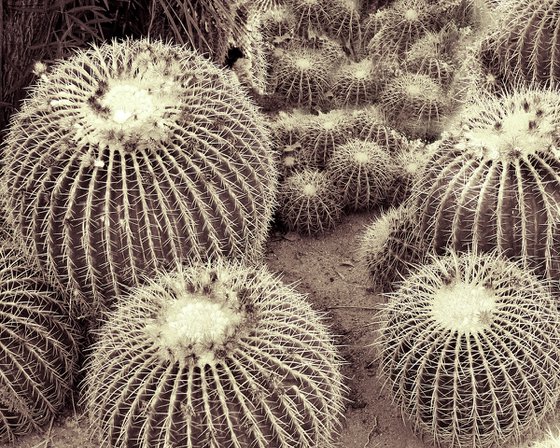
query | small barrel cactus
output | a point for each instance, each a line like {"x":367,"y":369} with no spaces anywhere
{"x":415,"y":104}
{"x":409,"y":165}
{"x":309,"y":202}
{"x":356,"y":83}
{"x":133,"y":156}
{"x":469,"y":345}
{"x":363,"y":172}
{"x":370,"y":123}
{"x":39,"y":350}
{"x":300,"y":75}
{"x":492,"y":184}
{"x":389,"y":247}
{"x":322,"y":133}
{"x":214,"y":355}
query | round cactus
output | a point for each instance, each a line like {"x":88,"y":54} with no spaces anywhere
{"x":309,"y":202}
{"x":133,"y":156}
{"x":370,"y":123}
{"x":300,"y":75}
{"x":311,"y":15}
{"x":527,"y":41}
{"x":278,"y":24}
{"x":214,"y":355}
{"x":409,"y":165}
{"x":389,"y":247}
{"x":356,"y":83}
{"x":415,"y":104}
{"x":322,"y":133}
{"x":38,"y":354}
{"x":492,"y":183}
{"x":469,"y":345}
{"x":363,"y":172}
{"x":343,"y":19}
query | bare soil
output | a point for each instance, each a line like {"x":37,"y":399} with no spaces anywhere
{"x":327,"y":268}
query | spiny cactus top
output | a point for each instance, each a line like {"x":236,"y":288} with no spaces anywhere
{"x":214,"y":356}
{"x":133,"y":156}
{"x":38,"y":349}
{"x":494,"y":182}
{"x":470,"y":349}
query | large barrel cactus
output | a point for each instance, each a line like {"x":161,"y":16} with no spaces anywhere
{"x":469,"y":345}
{"x":494,"y":183}
{"x":526,"y":43}
{"x":133,"y":156}
{"x":38,"y":349}
{"x":214,"y":355}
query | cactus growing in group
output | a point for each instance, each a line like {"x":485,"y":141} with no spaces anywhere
{"x":370,"y":123}
{"x":300,"y":75}
{"x":363,"y":172}
{"x":527,"y":41}
{"x":469,"y":346}
{"x":39,"y":349}
{"x":214,"y":355}
{"x":356,"y":83}
{"x":134,"y":156}
{"x":389,"y":247}
{"x":416,"y":105}
{"x":492,"y":183}
{"x":309,"y":202}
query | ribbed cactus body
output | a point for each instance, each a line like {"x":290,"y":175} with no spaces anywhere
{"x":356,"y":83}
{"x":527,"y":41}
{"x":300,"y":75}
{"x":495,"y":184}
{"x":363,"y":172}
{"x":469,"y":345}
{"x":390,"y":246}
{"x":216,"y":355}
{"x":38,"y":352}
{"x":134,"y":156}
{"x":415,"y":104}
{"x":370,"y":123}
{"x":309,"y":202}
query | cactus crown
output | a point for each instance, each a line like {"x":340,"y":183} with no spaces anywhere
{"x":520,"y":125}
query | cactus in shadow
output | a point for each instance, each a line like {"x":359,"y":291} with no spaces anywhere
{"x":214,"y":355}
{"x":389,"y":247}
{"x":134,"y":156}
{"x":493,"y":182}
{"x":38,"y":353}
{"x":469,"y":347}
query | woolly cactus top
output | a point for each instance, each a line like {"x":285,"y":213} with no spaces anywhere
{"x":523,"y":123}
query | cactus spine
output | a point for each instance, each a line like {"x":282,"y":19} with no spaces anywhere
{"x":38,"y":353}
{"x":134,"y":156}
{"x":469,"y":345}
{"x":214,"y":355}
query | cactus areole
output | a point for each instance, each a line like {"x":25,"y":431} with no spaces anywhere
{"x":135,"y":156}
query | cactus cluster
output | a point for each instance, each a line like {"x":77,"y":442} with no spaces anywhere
{"x":214,"y":355}
{"x":39,"y":351}
{"x":469,"y":345}
{"x":134,"y":156}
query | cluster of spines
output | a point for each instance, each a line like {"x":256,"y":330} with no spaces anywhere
{"x":220,"y":355}
{"x":135,"y":156}
{"x":454,"y":344}
{"x":39,"y":350}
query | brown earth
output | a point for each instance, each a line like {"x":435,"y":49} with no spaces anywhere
{"x":327,"y":269}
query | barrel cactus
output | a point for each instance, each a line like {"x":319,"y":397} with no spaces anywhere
{"x":132,"y":156}
{"x":309,"y":202}
{"x":469,"y":345}
{"x":363,"y":172}
{"x":526,"y":41}
{"x":214,"y":355}
{"x":492,"y":184}
{"x":356,"y":83}
{"x":389,"y":247}
{"x":39,"y":350}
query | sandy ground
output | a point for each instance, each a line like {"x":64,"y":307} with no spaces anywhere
{"x":327,"y":269}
